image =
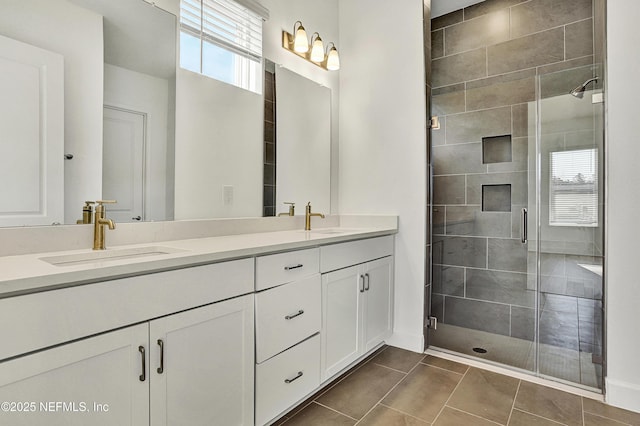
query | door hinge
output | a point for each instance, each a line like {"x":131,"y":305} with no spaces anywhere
{"x":433,"y":123}
{"x":432,"y":322}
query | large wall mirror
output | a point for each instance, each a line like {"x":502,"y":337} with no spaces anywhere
{"x":107,"y":115}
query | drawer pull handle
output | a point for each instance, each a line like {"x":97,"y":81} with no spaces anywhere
{"x":366,"y":282}
{"x":143,"y":376}
{"x":289,"y":268}
{"x":295,"y":378}
{"x":297,"y":314}
{"x":160,"y":369}
{"x":361,"y":283}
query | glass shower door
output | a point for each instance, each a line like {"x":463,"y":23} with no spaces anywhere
{"x":570,"y":226}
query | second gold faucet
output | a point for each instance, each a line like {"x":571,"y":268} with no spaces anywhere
{"x":307,"y":217}
{"x":100,"y":222}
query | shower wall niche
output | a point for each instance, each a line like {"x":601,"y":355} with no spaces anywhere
{"x":501,"y":71}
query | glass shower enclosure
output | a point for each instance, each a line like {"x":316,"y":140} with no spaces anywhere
{"x":518,"y":229}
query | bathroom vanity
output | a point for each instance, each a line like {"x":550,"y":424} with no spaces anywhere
{"x":227,"y":330}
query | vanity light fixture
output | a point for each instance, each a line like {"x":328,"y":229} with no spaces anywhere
{"x":317,"y":48}
{"x":299,"y":44}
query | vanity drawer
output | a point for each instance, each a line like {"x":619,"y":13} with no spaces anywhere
{"x":283,"y":268}
{"x":285,"y":379}
{"x":338,"y":256}
{"x":286,"y":315}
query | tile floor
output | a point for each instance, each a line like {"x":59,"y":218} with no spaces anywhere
{"x":398,"y":387}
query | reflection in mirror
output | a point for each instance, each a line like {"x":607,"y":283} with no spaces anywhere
{"x":116,"y":57}
{"x":302,"y":143}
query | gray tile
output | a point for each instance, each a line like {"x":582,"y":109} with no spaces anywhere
{"x":523,"y":323}
{"x":538,"y":15}
{"x":520,"y":418}
{"x":517,"y":180}
{"x":452,"y":417}
{"x":549,"y":403}
{"x":559,"y":329}
{"x":473,"y":126}
{"x":448,"y":280}
{"x":457,"y":68}
{"x":449,"y":189}
{"x":508,"y":89}
{"x":526,"y":52}
{"x":446,"y":20}
{"x":437,"y":306}
{"x":480,"y":9}
{"x":565,"y":65}
{"x":317,"y":415}
{"x":437,"y":44}
{"x":604,"y":410}
{"x":519,"y":158}
{"x":346,"y":397}
{"x":496,"y":149}
{"x":458,"y":159}
{"x":486,"y":394}
{"x":520,"y":117}
{"x":461,"y":251}
{"x":486,"y":30}
{"x":449,"y":99}
{"x":423,"y":393}
{"x":471,"y":220}
{"x":398,"y":359}
{"x":559,"y":303}
{"x":477,"y":315}
{"x":507,"y":255}
{"x":438,"y":220}
{"x":579,"y":39}
{"x":383,"y":416}
{"x":599,"y":30}
{"x":564,"y":81}
{"x":445,"y":364}
{"x":552,"y":264}
{"x":496,"y":198}
{"x":498,"y":286}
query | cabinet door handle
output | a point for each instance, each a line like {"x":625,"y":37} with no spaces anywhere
{"x":289,"y":268}
{"x":143,"y":376}
{"x":295,"y":378}
{"x":297,"y":314}
{"x":160,"y":369}
{"x":361,"y":283}
{"x":366,"y":281}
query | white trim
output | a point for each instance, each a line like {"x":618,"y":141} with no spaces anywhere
{"x":623,"y":394}
{"x":410,"y":342}
{"x":256,"y":7}
{"x":518,"y":375}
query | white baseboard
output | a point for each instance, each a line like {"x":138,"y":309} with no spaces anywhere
{"x":623,"y":394}
{"x":410,"y":342}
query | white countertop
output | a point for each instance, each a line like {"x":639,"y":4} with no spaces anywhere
{"x":28,"y":273}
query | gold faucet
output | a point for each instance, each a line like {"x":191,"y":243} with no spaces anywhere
{"x":100,"y":222}
{"x":292,"y":209}
{"x":87,"y":213}
{"x":307,"y":217}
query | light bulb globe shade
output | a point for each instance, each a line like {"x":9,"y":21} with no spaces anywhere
{"x":333,"y":59}
{"x":317,"y":50}
{"x":300,"y":42}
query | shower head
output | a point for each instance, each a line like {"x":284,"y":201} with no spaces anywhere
{"x":578,"y":92}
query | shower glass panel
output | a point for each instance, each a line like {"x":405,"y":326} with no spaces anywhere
{"x":518,"y":225}
{"x":570,"y":226}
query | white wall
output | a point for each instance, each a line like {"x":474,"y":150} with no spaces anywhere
{"x":623,"y":234}
{"x":39,"y":23}
{"x":145,"y":93}
{"x":383,"y":138}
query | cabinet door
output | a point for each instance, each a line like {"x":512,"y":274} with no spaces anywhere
{"x":378,"y":306}
{"x":340,"y":320}
{"x":208,"y":365}
{"x":95,"y":381}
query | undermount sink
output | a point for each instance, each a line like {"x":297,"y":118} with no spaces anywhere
{"x":108,"y":255}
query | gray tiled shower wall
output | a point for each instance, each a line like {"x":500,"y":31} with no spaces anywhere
{"x":269,"y":176}
{"x":484,"y":60}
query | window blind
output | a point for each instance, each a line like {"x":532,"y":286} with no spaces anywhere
{"x":224,"y":23}
{"x":573,"y":195}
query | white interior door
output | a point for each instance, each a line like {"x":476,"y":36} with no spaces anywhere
{"x":31,"y":135}
{"x":123,"y":163}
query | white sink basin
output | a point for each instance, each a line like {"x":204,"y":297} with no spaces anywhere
{"x":108,"y":255}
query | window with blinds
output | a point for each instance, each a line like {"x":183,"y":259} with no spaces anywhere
{"x":573,"y":194}
{"x":222,"y":39}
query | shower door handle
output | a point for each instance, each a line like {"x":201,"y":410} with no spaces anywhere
{"x":523,"y":225}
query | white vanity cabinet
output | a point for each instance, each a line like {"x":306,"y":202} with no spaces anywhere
{"x":97,"y":379}
{"x":357,"y":301}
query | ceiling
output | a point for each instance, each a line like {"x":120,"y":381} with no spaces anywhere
{"x":442,"y":7}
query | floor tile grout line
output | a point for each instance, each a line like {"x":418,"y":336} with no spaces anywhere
{"x":336,"y":411}
{"x":515,"y":397}
{"x":402,"y":412}
{"x":389,"y":391}
{"x":471,"y":414}
{"x":607,"y":418}
{"x":391,"y":368}
{"x":445,"y":369}
{"x":539,"y":416}
{"x":582,"y":404}
{"x":449,"y":398}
